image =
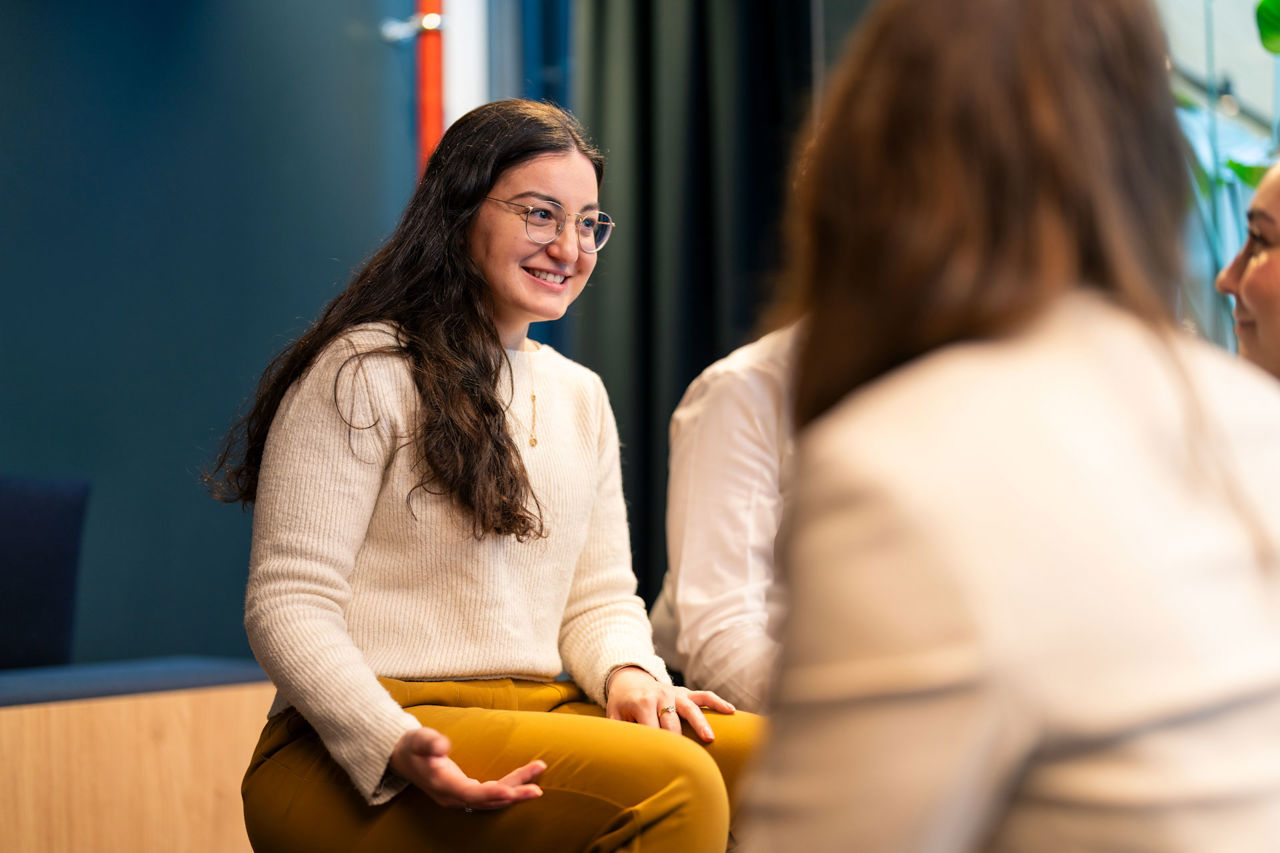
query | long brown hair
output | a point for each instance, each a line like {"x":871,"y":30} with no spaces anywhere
{"x":971,"y":160}
{"x":424,"y":282}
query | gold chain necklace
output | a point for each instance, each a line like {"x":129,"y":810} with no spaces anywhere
{"x":533,"y":401}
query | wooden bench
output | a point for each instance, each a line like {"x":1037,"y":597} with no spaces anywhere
{"x":154,"y":767}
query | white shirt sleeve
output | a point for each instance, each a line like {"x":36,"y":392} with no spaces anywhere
{"x":724,"y":502}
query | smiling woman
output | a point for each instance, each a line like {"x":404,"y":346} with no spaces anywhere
{"x":1252,"y":279}
{"x":532,"y":279}
{"x":421,"y":574}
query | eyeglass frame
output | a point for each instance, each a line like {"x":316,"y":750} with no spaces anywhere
{"x":581,"y":217}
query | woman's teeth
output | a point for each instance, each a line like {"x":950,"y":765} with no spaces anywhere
{"x":546,"y":276}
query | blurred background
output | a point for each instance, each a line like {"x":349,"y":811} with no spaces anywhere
{"x":185,"y":185}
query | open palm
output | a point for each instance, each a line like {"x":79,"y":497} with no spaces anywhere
{"x":422,"y":757}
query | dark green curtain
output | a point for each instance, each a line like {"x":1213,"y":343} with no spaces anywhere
{"x":695,"y":103}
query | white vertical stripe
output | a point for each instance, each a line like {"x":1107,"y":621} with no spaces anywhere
{"x":466,"y":57}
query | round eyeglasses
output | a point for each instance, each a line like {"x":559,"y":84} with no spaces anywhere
{"x":544,"y":221}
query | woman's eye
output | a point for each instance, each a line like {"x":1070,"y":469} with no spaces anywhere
{"x":541,"y":215}
{"x":1258,"y":240}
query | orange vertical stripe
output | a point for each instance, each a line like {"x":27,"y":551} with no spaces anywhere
{"x":430,"y":85}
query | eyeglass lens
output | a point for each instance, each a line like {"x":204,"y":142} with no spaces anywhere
{"x":545,"y":221}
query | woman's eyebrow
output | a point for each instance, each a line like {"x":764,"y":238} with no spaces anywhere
{"x":539,"y":195}
{"x":1259,"y":213}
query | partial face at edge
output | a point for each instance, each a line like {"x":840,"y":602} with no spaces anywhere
{"x":1253,"y":279}
{"x":528,"y":281}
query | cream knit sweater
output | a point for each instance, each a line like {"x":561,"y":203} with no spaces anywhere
{"x":351,"y":577}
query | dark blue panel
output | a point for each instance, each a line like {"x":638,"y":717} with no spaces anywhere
{"x":184,"y":185}
{"x":40,"y":525}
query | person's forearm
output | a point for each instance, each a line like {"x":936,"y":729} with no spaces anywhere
{"x":736,"y":663}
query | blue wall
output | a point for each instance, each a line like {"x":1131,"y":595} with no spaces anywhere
{"x":182,"y":187}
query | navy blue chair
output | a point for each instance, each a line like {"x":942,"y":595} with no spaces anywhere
{"x":41,"y":521}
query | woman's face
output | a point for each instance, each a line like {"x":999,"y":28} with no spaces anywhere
{"x":1253,"y":279}
{"x":531,"y":281}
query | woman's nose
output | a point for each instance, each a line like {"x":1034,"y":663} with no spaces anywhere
{"x":1228,"y":280}
{"x":565,"y":246}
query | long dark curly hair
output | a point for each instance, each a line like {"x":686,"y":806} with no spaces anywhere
{"x":424,"y":283}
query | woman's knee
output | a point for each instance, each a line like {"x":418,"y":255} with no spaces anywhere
{"x":737,"y":737}
{"x":666,"y":757}
{"x":678,"y":797}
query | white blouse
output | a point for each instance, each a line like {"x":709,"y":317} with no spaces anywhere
{"x":731,"y":439}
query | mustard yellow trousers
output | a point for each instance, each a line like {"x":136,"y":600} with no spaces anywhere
{"x":608,"y":785}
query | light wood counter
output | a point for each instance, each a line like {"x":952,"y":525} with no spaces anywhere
{"x":141,"y":772}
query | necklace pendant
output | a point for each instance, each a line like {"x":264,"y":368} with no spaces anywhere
{"x":533,"y":441}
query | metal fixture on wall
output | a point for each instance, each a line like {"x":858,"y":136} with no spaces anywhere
{"x":396,"y":31}
{"x":427,"y":21}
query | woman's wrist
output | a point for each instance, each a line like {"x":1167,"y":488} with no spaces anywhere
{"x":608,"y":679}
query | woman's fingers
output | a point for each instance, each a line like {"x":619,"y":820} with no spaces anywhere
{"x":515,"y":787}
{"x":669,"y":714}
{"x":692,"y":714}
{"x":524,"y":775}
{"x":707,"y":699}
{"x":691,"y":705}
{"x":488,"y":796}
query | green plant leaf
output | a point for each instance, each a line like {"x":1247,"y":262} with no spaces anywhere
{"x":1200,"y":175}
{"x":1268,"y":15}
{"x":1250,"y":173}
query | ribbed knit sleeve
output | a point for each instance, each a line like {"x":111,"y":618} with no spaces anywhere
{"x":329,"y":445}
{"x":605,"y":624}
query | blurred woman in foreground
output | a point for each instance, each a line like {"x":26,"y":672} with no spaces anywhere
{"x":1032,"y":554}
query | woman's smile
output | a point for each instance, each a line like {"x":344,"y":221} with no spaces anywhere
{"x":551,"y":279}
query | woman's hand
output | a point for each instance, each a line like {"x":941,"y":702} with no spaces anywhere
{"x":636,"y":696}
{"x":422,"y":757}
